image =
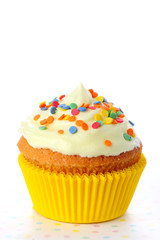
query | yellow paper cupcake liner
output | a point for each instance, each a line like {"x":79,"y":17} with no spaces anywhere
{"x":81,"y":198}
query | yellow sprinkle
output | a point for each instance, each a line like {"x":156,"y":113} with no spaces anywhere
{"x":57,"y":224}
{"x":134,"y":135}
{"x":75,"y":230}
{"x":113,"y":109}
{"x":108,"y":120}
{"x":110,"y":104}
{"x":66,"y":117}
{"x":63,"y":109}
{"x":122,"y":220}
{"x":97,"y":117}
{"x":99,"y":98}
{"x":104,"y":113}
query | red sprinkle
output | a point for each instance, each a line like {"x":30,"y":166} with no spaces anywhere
{"x":62,"y":96}
{"x":75,"y":111}
{"x":55,"y":104}
{"x":95,"y":125}
{"x":91,"y":107}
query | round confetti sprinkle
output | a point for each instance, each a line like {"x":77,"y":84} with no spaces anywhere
{"x":113,"y":109}
{"x":61,"y":117}
{"x":43,"y":122}
{"x":61,"y":105}
{"x":44,"y":108}
{"x":55,"y":104}
{"x":107,"y":143}
{"x":99,"y":98}
{"x":36,"y":117}
{"x":66,"y":107}
{"x":131,"y":123}
{"x":42,"y":127}
{"x":94,"y":94}
{"x":92,"y":107}
{"x":53,"y":110}
{"x":127,"y":137}
{"x":113,"y":115}
{"x":79,"y":123}
{"x":130,"y":132}
{"x":72,"y":129}
{"x":50,"y":119}
{"x":61,"y":97}
{"x":95,"y":125}
{"x":84,"y":126}
{"x":66,"y":117}
{"x":119,"y":120}
{"x":72,"y":119}
{"x":108,"y":120}
{"x":60,"y":131}
{"x":97,"y":102}
{"x":42,"y":104}
{"x":104,"y":113}
{"x":82,"y":109}
{"x":75,"y":111}
{"x":97,"y":116}
{"x":118,"y":113}
{"x":73,"y":105}
{"x":100,"y":122}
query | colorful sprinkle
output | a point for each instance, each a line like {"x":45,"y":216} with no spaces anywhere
{"x":131,"y":123}
{"x":55,"y":104}
{"x":73,"y":105}
{"x":36,"y":117}
{"x":61,"y":97}
{"x":66,"y":107}
{"x":42,"y":104}
{"x":44,"y":108}
{"x":84,"y":126}
{"x":53,"y":110}
{"x":94,"y":94}
{"x":95,"y":125}
{"x":99,"y":98}
{"x":118,"y":113}
{"x":82,"y":109}
{"x":61,"y":117}
{"x":60,"y":131}
{"x":108,"y":120}
{"x":72,"y":129}
{"x":92,"y":107}
{"x":130,"y":132}
{"x":113,"y":115}
{"x":97,"y":117}
{"x":127,"y":137}
{"x":104,"y":113}
{"x":42,"y":127}
{"x":100,"y":122}
{"x":66,"y":117}
{"x":79,"y":123}
{"x":50,"y":119}
{"x":97,"y":102}
{"x":43,"y":122}
{"x":75,"y":111}
{"x":119,"y":120}
{"x":107,"y":143}
{"x":72,"y":119}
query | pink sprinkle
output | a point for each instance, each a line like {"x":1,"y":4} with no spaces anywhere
{"x":92,"y":107}
{"x":119,"y":120}
{"x":55,"y":104}
{"x":95,"y":125}
{"x":75,"y":111}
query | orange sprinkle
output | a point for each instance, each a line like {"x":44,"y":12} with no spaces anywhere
{"x":43,"y":104}
{"x":43,"y":122}
{"x":60,"y":131}
{"x":130,"y":131}
{"x":91,"y":91}
{"x":49,"y":105}
{"x":97,"y":105}
{"x":107,"y":143}
{"x":114,"y":121}
{"x":82,"y":105}
{"x":94,"y":94}
{"x":36,"y":117}
{"x":84,"y":126}
{"x":61,"y":117}
{"x":106,"y":104}
{"x":117,"y":109}
{"x":72,"y":119}
{"x":79,"y":122}
{"x":105,"y":108}
{"x":50,"y":119}
{"x":121,"y":115}
{"x":86,"y":105}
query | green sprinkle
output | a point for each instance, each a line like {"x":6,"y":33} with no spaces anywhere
{"x":118,"y":113}
{"x":127,"y":137}
{"x":100,"y":122}
{"x":73,"y":105}
{"x":42,"y":127}
{"x":113,"y":115}
{"x":109,"y":111}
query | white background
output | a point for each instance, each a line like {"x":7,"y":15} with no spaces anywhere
{"x":48,"y":47}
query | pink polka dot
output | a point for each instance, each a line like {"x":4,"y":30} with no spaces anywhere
{"x":75,"y":111}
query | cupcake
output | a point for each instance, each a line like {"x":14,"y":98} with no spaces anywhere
{"x":80,"y":157}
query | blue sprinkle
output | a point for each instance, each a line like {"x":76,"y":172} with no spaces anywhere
{"x":131,"y":123}
{"x":97,"y":102}
{"x":61,"y":105}
{"x":82,"y":109}
{"x":121,"y":110}
{"x":73,"y":129}
{"x":66,"y":107}
{"x":44,"y":108}
{"x":105,"y":100}
{"x":53,"y":110}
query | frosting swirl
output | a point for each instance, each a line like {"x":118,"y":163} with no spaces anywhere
{"x":81,"y":123}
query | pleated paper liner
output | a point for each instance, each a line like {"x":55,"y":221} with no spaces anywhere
{"x":81,"y":198}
